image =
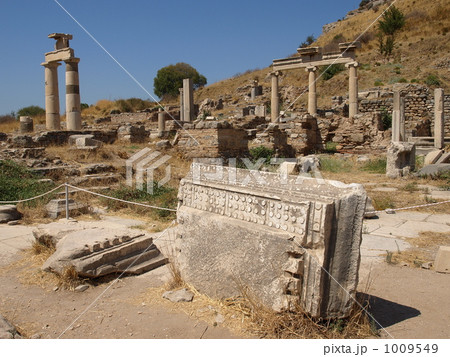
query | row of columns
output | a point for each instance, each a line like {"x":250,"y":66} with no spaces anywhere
{"x":312,"y":94}
{"x":73,"y":103}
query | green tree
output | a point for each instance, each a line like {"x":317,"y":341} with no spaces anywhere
{"x":170,"y":78}
{"x":393,"y":20}
{"x":309,"y":40}
{"x":32,"y":110}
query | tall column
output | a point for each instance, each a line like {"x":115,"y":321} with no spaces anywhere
{"x":353,"y":89}
{"x":52,"y":118}
{"x":73,"y":104}
{"x":188,"y":100}
{"x":396,"y":117}
{"x":439,"y":130}
{"x":312,"y":95}
{"x":181,"y":104}
{"x":275,"y":101}
{"x":161,"y":122}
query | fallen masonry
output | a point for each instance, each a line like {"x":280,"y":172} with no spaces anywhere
{"x":276,"y":236}
{"x":97,"y":251}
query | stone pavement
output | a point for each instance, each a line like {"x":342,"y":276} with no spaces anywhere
{"x":389,"y":232}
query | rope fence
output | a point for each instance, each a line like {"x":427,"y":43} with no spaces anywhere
{"x":67,"y":186}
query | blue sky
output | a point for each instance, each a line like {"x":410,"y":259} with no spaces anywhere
{"x":218,"y":38}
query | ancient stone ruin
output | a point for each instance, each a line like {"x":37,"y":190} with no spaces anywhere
{"x":289,"y":240}
{"x":62,"y":52}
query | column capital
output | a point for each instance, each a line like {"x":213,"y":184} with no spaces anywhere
{"x":72,"y":60}
{"x":311,"y":69}
{"x":50,"y":64}
{"x":352,"y":64}
{"x":276,"y":73}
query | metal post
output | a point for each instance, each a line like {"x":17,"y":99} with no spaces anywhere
{"x":67,"y":200}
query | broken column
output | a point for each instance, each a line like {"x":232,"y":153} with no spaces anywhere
{"x":181,"y":104}
{"x":161,"y":122}
{"x":353,"y":89}
{"x":439,"y":131}
{"x":401,"y":159}
{"x":73,"y":104}
{"x":312,"y":96}
{"x":278,"y":237}
{"x":52,"y":118}
{"x":398,"y":118}
{"x":275,"y":102}
{"x":188,"y":100}
{"x":26,"y":124}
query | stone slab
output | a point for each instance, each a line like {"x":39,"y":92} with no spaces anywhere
{"x":442,"y":261}
{"x":271,"y":237}
{"x":439,"y":218}
{"x":412,"y":229}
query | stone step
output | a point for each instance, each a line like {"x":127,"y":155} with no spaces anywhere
{"x":137,"y":258}
{"x":96,"y":179}
{"x":148,"y":265}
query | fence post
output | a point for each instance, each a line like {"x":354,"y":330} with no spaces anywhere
{"x":67,"y":200}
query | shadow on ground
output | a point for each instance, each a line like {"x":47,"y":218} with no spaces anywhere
{"x":387,"y":313}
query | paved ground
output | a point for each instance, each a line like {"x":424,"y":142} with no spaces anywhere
{"x":408,"y":302}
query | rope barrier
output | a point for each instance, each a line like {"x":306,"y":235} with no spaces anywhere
{"x":120,"y":200}
{"x":34,"y":198}
{"x":388,"y":210}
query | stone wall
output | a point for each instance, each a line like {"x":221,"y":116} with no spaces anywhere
{"x":61,"y":137}
{"x":276,"y":237}
{"x":419,"y":107}
{"x":212,"y":139}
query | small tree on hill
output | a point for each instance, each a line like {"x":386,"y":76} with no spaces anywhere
{"x":393,"y":20}
{"x":32,"y":110}
{"x":309,"y":40}
{"x":170,"y":78}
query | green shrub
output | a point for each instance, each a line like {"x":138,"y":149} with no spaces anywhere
{"x":163,"y":196}
{"x":330,"y":146}
{"x":259,"y":152}
{"x":386,"y":119}
{"x":363,"y":3}
{"x":414,"y":80}
{"x":378,"y":83}
{"x":329,"y":72}
{"x":17,"y":183}
{"x":402,"y":80}
{"x":432,"y":80}
{"x":331,"y":164}
{"x":376,"y":166}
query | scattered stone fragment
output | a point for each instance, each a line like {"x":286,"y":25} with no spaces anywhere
{"x":370,"y":209}
{"x":427,"y":265}
{"x":7,"y":331}
{"x":401,"y":159}
{"x":434,"y":170}
{"x":9,"y":213}
{"x":220,"y":319}
{"x":13,"y":223}
{"x":442,"y":262}
{"x":182,"y":295}
{"x":81,"y":288}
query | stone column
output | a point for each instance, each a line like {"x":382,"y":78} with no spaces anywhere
{"x":73,"y":104}
{"x":398,"y":118}
{"x":26,"y":124}
{"x":353,"y":89}
{"x":188,"y":100}
{"x":439,"y":131}
{"x":312,"y":96}
{"x":181,"y":104}
{"x":52,"y":118}
{"x":275,"y":102}
{"x":161,"y":122}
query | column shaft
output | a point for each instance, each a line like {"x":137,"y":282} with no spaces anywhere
{"x":275,"y":102}
{"x":161,"y":123}
{"x":52,"y":118}
{"x":439,"y":128}
{"x":181,"y":104}
{"x":73,"y":104}
{"x":353,"y":90}
{"x":188,"y":100}
{"x":312,"y":95}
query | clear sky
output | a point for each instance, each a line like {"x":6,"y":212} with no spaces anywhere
{"x":218,"y":38}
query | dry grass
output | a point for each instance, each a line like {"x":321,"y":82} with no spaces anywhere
{"x":245,"y":315}
{"x":424,"y":249}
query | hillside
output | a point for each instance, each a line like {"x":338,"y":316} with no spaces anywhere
{"x":422,"y":49}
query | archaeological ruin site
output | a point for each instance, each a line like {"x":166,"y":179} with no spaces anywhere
{"x":275,"y":191}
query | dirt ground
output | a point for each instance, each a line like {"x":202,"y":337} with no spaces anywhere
{"x":44,"y":313}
